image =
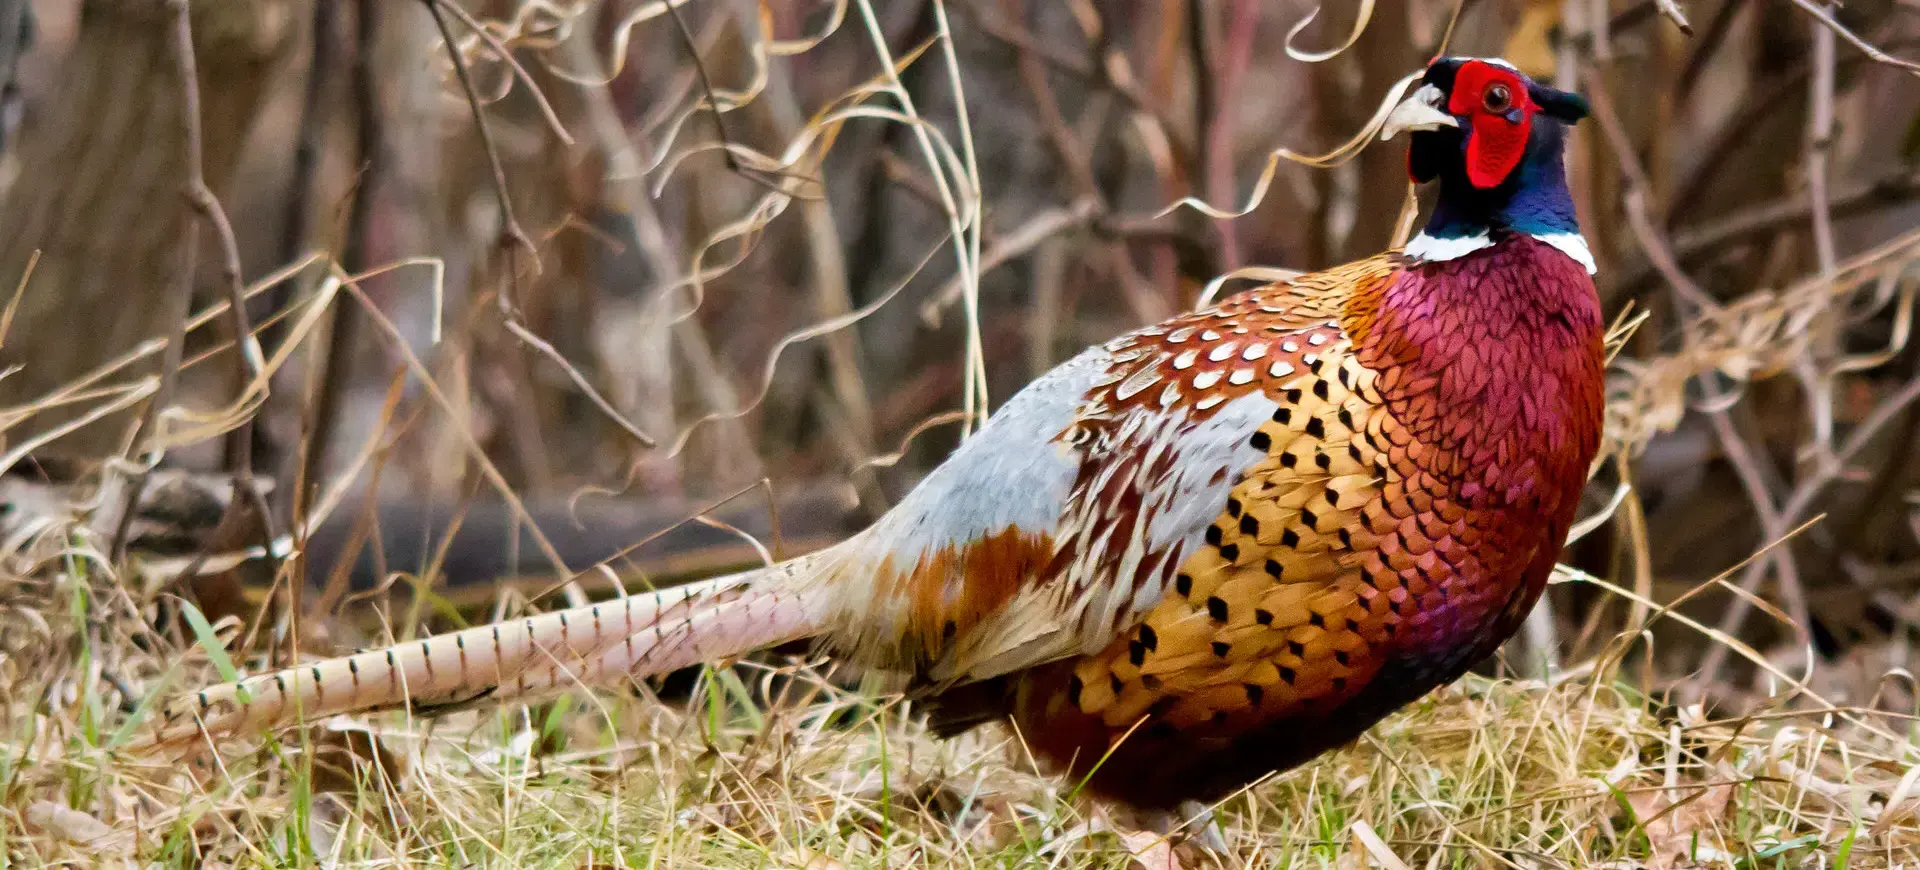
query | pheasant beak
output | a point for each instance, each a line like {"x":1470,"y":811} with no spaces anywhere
{"x":1419,"y":111}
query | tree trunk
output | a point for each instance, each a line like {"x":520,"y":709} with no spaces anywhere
{"x":99,"y":193}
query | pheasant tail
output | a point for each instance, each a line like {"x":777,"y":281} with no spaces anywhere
{"x":635,"y":636}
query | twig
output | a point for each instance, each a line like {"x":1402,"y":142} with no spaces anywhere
{"x":249,"y":365}
{"x":510,"y":224}
{"x":506,"y":56}
{"x":1708,"y":45}
{"x":1072,"y":154}
{"x":579,"y":380}
{"x":1796,"y":506}
{"x":201,"y":202}
{"x":1651,"y":239}
{"x":713,"y":104}
{"x":1671,"y":9}
{"x":19,"y":292}
{"x":1773,"y":525}
{"x":1824,"y":330}
{"x":1819,"y":145}
{"x":1690,"y":244}
{"x":306,"y":153}
{"x":1822,"y":14}
{"x":344,"y":330}
{"x":1093,"y":73}
{"x":1022,"y":239}
{"x":510,"y":228}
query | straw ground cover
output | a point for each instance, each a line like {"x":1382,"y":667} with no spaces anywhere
{"x":769,"y":765}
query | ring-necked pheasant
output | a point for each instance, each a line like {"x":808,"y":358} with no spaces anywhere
{"x":1205,"y":550}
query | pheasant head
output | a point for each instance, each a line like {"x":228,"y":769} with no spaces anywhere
{"x":1493,"y":140}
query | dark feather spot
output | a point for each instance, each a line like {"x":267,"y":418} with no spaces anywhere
{"x":1288,"y":460}
{"x":1217,"y":608}
{"x":1353,"y":625}
{"x":1346,"y":418}
{"x":1230,"y":552}
{"x":1340,"y":656}
{"x":1315,"y":619}
{"x":1393,"y":606}
{"x":1220,"y":648}
{"x":1307,"y":516}
{"x":1249,"y":525}
{"x":1263,"y":616}
{"x":1233,"y":507}
{"x":1213,"y":536}
{"x":1183,"y":584}
{"x":1293,"y":396}
{"x":1260,"y":441}
{"x":1275,"y":568}
{"x":1346,"y":539}
{"x":1284,"y":416}
{"x":1390,"y":627}
{"x":1073,"y":690}
{"x":1289,"y":539}
{"x":1136,"y":653}
{"x":1149,"y":637}
{"x":1324,"y":461}
{"x":1113,"y":682}
{"x":1254,"y":694}
{"x":1297,"y":648}
{"x":1150,"y":682}
{"x":1353,"y":451}
{"x":1317,"y":427}
{"x":1286,"y":673}
{"x":1319,"y":387}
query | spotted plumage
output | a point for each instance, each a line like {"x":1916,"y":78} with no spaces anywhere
{"x":1200,"y":552}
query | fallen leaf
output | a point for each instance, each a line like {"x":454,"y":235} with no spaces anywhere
{"x":1683,"y":833}
{"x":68,"y":824}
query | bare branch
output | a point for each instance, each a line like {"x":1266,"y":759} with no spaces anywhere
{"x":1823,"y":14}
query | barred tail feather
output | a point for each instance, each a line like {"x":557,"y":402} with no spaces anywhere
{"x":637,"y":636}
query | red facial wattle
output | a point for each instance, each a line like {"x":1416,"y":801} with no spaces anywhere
{"x":1499,"y":127}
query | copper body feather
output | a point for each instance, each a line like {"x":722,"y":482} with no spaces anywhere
{"x":1429,"y":445}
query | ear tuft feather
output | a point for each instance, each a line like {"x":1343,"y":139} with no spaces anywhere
{"x":1566,"y":106}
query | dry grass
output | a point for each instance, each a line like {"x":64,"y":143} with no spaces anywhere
{"x":1580,"y":773}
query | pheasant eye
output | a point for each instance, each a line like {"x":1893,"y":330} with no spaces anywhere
{"x":1498,"y":99}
